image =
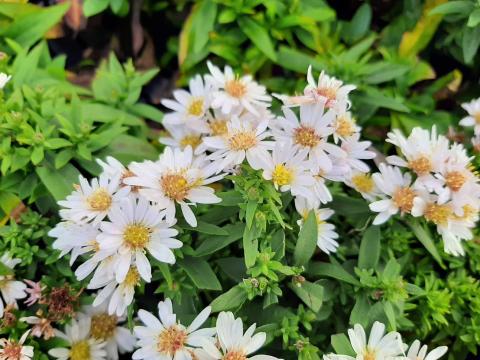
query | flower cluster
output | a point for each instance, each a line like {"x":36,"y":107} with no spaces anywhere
{"x":381,"y":346}
{"x":165,"y":338}
{"x":430,"y":178}
{"x":226,"y":118}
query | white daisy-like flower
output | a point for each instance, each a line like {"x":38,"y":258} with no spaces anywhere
{"x":326,"y":234}
{"x":380,"y":346}
{"x":364,"y":184}
{"x":453,"y":229}
{"x":356,"y":151}
{"x":134,"y":228}
{"x":78,"y":239}
{"x":10,"y":289}
{"x":114,"y":169}
{"x":242,"y":140}
{"x":92,"y":202}
{"x":165,"y":338}
{"x":13,"y":350}
{"x":473,"y":118}
{"x":415,"y":352}
{"x":177,"y":177}
{"x":289,"y":171}
{"x":118,"y":295}
{"x":105,"y":327}
{"x":322,"y":193}
{"x":4,"y":79}
{"x":233,"y":343}
{"x":190,"y":108}
{"x":233,"y":93}
{"x":423,"y":151}
{"x":181,"y":137}
{"x":344,"y":126}
{"x":309,"y":133}
{"x":80,"y":345}
{"x":396,"y":189}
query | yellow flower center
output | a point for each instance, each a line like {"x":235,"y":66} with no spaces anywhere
{"x":469,"y":212}
{"x":103,"y":326}
{"x":80,"y":351}
{"x":369,"y":355}
{"x":344,"y":126}
{"x":403,"y":198}
{"x":136,"y":235}
{"x":281,"y":175}
{"x":306,"y":136}
{"x":235,"y":88}
{"x":438,"y":214}
{"x":95,"y":245}
{"x":218,"y":127}
{"x":455,"y":180}
{"x":327,"y":92}
{"x":421,"y":166}
{"x":234,"y":355}
{"x":192,"y":140}
{"x":175,"y":186}
{"x":195,"y":108}
{"x":242,"y":140}
{"x":133,"y":278}
{"x":363,"y":183}
{"x":476,"y":116}
{"x":12,"y":351}
{"x":4,"y":280}
{"x":171,"y":340}
{"x":99,"y":200}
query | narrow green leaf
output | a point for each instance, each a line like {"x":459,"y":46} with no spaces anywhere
{"x":232,"y":299}
{"x":388,"y":308}
{"x":332,"y":270}
{"x":341,"y":345}
{"x":59,"y":182}
{"x":369,"y":253}
{"x":258,"y":35}
{"x":250,"y":212}
{"x":361,"y":307}
{"x":203,"y":23}
{"x":307,"y":240}
{"x":453,"y":7}
{"x":470,"y":43}
{"x":310,"y":293}
{"x":423,"y":235}
{"x":205,"y":228}
{"x":250,"y":245}
{"x":215,"y":243}
{"x":200,"y":272}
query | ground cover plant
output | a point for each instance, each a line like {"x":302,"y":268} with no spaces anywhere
{"x":256,"y":180}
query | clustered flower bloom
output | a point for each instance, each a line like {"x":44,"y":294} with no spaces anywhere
{"x":381,"y":346}
{"x":226,"y":119}
{"x":433,"y":179}
{"x":10,"y":289}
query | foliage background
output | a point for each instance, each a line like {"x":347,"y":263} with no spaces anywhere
{"x":413,"y":62}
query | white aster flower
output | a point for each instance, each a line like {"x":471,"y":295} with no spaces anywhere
{"x":4,"y":79}
{"x":289,"y":171}
{"x":181,"y":137}
{"x":364,"y":184}
{"x":118,"y":295}
{"x":423,"y":151}
{"x":380,"y":346}
{"x":92,"y":202}
{"x":356,"y":151}
{"x":190,"y":108}
{"x":78,"y":239}
{"x":326,"y":234}
{"x":165,"y":338}
{"x":395,"y":187}
{"x":12,"y":350}
{"x":233,"y":343}
{"x":10,"y":289}
{"x":136,"y":227}
{"x":344,"y":126}
{"x":415,"y":352}
{"x":233,"y":93}
{"x":80,"y":345}
{"x":309,"y":133}
{"x":177,"y":177}
{"x":107,"y":328}
{"x":473,"y":118}
{"x":242,"y":140}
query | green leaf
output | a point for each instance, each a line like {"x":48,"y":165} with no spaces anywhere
{"x":93,"y":7}
{"x":332,"y":270}
{"x":232,"y":299}
{"x":200,"y":272}
{"x":307,"y":240}
{"x":361,"y":307}
{"x":298,"y":61}
{"x":205,"y":228}
{"x":470,"y":43}
{"x":215,"y":243}
{"x":146,"y":111}
{"x":360,"y":23}
{"x":58,"y":182}
{"x":341,"y":345}
{"x":203,"y":23}
{"x":388,"y":308}
{"x":56,"y":143}
{"x":377,"y":98}
{"x":453,"y":7}
{"x":127,"y":148}
{"x":258,"y":35}
{"x":278,"y":244}
{"x":423,"y":235}
{"x":250,"y":212}
{"x":5,"y":270}
{"x":250,"y":245}
{"x":474,"y":18}
{"x":37,"y":155}
{"x":310,"y":293}
{"x":230,"y":198}
{"x":369,"y":253}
